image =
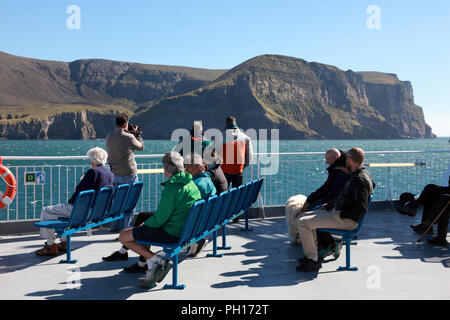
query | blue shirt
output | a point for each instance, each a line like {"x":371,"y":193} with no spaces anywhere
{"x":205,"y":185}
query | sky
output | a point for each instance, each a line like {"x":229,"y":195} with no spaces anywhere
{"x":408,"y":38}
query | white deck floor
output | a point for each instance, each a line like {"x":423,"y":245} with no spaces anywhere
{"x":260,"y":266}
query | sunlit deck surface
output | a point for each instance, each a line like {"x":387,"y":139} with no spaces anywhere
{"x":260,"y":266}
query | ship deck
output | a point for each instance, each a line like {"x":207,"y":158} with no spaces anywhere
{"x":260,"y":266}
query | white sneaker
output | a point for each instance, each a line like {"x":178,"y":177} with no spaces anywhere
{"x":192,"y":250}
{"x":202,"y":245}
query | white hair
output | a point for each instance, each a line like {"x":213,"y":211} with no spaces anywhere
{"x":173,"y":162}
{"x":193,"y":158}
{"x":98,"y":156}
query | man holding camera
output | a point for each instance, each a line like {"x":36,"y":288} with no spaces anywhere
{"x":120,"y":145}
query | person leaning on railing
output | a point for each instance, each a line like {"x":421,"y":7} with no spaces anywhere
{"x":165,"y":225}
{"x":351,"y":204}
{"x":95,"y":178}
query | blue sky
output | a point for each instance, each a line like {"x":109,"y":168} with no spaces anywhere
{"x":413,"y":41}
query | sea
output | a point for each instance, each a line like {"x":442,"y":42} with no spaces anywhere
{"x":285,"y":175}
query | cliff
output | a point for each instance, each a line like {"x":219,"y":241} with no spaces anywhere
{"x":78,"y":100}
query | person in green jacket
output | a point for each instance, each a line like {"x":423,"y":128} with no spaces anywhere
{"x":167,"y":223}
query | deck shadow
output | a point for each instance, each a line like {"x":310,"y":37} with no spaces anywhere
{"x":271,"y":260}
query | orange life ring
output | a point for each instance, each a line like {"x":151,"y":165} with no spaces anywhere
{"x":7,"y":197}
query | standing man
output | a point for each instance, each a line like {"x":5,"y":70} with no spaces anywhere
{"x":236,"y":153}
{"x":351,"y":204}
{"x":120,"y":145}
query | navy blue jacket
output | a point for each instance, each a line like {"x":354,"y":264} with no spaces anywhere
{"x":95,"y":178}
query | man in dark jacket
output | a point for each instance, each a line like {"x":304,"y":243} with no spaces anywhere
{"x":334,"y":183}
{"x":351,"y":204}
{"x":326,"y":194}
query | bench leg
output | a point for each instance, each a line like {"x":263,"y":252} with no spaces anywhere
{"x":214,"y":254}
{"x":224,"y":239}
{"x":246,"y":223}
{"x":69,"y":251}
{"x":347,"y":257}
{"x":175,"y":284}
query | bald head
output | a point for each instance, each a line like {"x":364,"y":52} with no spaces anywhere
{"x":332,"y":155}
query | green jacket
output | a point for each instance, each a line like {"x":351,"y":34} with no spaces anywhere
{"x":177,"y":198}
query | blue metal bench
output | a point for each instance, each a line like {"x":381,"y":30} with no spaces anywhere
{"x":92,"y":210}
{"x":347,"y":237}
{"x":246,"y":201}
{"x":206,"y":217}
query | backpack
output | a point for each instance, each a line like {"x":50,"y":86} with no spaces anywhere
{"x":405,"y":197}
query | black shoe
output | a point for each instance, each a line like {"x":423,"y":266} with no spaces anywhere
{"x":116,"y":256}
{"x":407,"y":210}
{"x":438,"y":242}
{"x":302,"y":260}
{"x":135,"y":268}
{"x":420,"y":229}
{"x":309,"y":266}
{"x":235,"y":220}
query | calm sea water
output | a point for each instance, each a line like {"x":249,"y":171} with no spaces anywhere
{"x":293,"y":174}
{"x":80,"y":147}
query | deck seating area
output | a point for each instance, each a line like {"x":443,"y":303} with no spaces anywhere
{"x":260,"y":266}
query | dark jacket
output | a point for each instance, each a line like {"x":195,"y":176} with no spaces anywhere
{"x":332,"y":186}
{"x":95,"y":178}
{"x":218,"y":178}
{"x":353,"y":201}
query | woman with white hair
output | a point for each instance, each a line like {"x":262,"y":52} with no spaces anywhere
{"x":97,"y":177}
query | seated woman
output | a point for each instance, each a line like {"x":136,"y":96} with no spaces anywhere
{"x":95,"y":178}
{"x":196,"y":166}
{"x":167,"y":223}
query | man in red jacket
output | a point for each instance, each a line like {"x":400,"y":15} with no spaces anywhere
{"x":236,"y":153}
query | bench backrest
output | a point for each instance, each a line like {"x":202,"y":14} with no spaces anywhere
{"x":360,"y":223}
{"x":81,"y":208}
{"x":244,"y":198}
{"x":192,"y":218}
{"x":101,"y":204}
{"x":236,"y":201}
{"x":203,"y":216}
{"x":118,"y":202}
{"x":133,"y":197}
{"x":218,"y":210}
{"x":255,"y":193}
{"x":231,"y":194}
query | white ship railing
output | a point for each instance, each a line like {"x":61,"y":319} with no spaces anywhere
{"x":297,"y":173}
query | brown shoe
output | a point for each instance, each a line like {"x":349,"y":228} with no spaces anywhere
{"x":62,"y":246}
{"x":48,"y":250}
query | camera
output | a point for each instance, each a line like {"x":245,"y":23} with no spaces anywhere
{"x":134,"y":130}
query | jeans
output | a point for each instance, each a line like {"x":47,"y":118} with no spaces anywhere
{"x":118,"y":180}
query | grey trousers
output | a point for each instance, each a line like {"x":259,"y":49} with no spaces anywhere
{"x":309,"y":221}
{"x":53,"y":213}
